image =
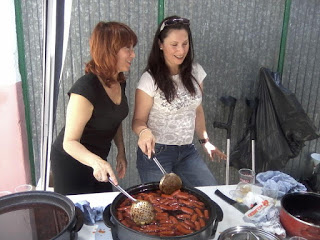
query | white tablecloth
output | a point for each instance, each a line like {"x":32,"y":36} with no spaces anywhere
{"x":231,"y":216}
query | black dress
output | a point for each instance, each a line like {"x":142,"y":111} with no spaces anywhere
{"x":69,"y":175}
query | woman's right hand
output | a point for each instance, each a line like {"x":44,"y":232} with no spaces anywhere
{"x":102,"y":171}
{"x":146,"y":142}
{"x":214,"y":152}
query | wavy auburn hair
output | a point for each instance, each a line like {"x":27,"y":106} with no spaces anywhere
{"x":106,"y":40}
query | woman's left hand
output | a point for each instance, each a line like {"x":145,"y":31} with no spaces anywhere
{"x":214,"y":152}
{"x":121,"y":166}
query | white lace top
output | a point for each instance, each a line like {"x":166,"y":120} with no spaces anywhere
{"x":173,"y":123}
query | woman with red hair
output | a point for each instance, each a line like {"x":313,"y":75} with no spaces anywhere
{"x":97,"y":106}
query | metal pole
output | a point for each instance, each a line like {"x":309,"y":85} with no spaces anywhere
{"x":284,"y":34}
{"x":160,"y":11}
{"x":253,"y":156}
{"x":228,"y":162}
{"x":231,"y":102}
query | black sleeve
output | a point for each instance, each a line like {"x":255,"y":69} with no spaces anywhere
{"x":86,"y":87}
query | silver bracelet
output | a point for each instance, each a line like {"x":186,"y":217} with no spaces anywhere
{"x":143,"y":131}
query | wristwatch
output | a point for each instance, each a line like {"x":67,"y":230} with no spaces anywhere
{"x":204,"y":140}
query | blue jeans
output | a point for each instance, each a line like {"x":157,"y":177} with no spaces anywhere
{"x":184,"y":161}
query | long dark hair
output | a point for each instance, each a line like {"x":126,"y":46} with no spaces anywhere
{"x":106,"y":40}
{"x":158,"y":69}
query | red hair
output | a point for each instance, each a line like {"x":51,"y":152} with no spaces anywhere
{"x":106,"y":40}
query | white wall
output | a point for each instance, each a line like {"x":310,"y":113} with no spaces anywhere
{"x":14,"y":162}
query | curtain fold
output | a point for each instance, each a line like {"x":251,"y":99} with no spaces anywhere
{"x":56,"y":23}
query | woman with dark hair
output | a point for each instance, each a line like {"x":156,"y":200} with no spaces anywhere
{"x":168,"y":109}
{"x":97,"y":106}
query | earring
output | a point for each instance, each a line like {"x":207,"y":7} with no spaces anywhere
{"x":161,"y":49}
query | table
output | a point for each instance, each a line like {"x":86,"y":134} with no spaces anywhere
{"x":231,"y":216}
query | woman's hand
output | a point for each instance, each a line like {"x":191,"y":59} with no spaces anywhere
{"x":102,"y":171}
{"x":214,"y":152}
{"x":121,"y":165}
{"x":146,"y":142}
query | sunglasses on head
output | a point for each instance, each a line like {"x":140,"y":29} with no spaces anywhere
{"x":174,"y":21}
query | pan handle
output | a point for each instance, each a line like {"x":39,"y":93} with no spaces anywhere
{"x":224,"y":197}
{"x":218,"y":219}
{"x":79,"y":220}
{"x":107,"y":217}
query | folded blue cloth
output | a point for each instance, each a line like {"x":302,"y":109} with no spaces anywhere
{"x":91,"y":215}
{"x":281,"y":181}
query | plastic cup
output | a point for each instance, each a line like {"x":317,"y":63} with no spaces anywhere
{"x":3,"y":193}
{"x":246,"y":180}
{"x":244,"y":188}
{"x":247,"y":175}
{"x":23,"y":188}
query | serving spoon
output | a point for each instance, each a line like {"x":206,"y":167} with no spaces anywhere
{"x":141,"y":211}
{"x":170,"y":182}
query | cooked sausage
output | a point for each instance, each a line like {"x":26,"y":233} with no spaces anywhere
{"x":167,"y":233}
{"x":120,"y":215}
{"x":194,"y":217}
{"x":197,"y":225}
{"x":206,"y":214}
{"x":190,"y":223}
{"x":173,"y":219}
{"x":187,"y":210}
{"x":150,"y":228}
{"x":183,"y":216}
{"x":202,"y":223}
{"x":198,"y":211}
{"x":183,"y":230}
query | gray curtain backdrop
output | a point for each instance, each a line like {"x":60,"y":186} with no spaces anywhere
{"x":232,"y":40}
